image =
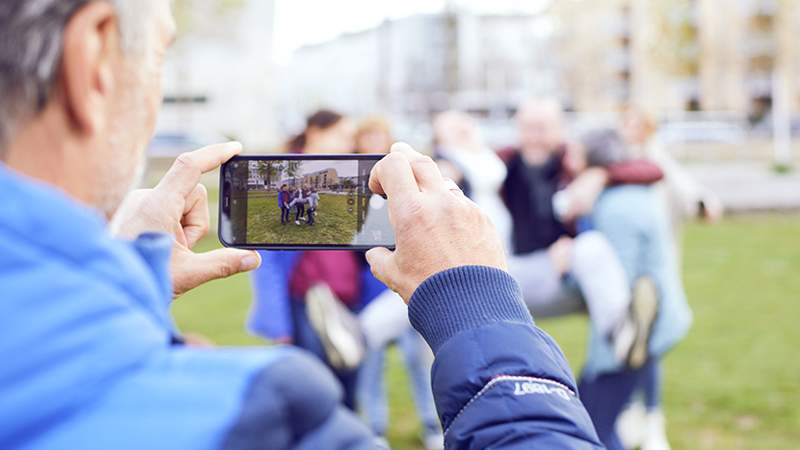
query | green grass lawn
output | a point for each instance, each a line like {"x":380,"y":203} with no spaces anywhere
{"x":335,"y":221}
{"x":733,"y":384}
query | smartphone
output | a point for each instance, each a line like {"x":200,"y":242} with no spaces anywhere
{"x":302,"y":202}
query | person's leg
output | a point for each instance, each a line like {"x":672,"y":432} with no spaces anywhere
{"x":349,"y":382}
{"x":418,"y":360}
{"x":605,"y":396}
{"x":306,"y":338}
{"x":602,"y":280}
{"x":372,"y":391}
{"x":304,"y":335}
{"x":655,"y":437}
{"x":543,"y":289}
{"x":651,"y":386}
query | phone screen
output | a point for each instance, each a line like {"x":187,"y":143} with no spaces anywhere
{"x":302,"y":202}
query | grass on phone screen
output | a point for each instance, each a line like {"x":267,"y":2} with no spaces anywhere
{"x":334,"y":221}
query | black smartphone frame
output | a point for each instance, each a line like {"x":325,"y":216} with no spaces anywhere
{"x":224,"y":195}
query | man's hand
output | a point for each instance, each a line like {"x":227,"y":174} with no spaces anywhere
{"x":437,"y":227}
{"x":179,"y":206}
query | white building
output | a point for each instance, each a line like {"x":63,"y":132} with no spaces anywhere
{"x":219,"y":79}
{"x":413,"y":67}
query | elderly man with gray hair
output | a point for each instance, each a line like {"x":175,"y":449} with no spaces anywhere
{"x":91,"y":357}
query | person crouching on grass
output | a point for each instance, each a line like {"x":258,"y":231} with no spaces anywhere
{"x":299,"y":202}
{"x":313,"y":202}
{"x":283,"y":203}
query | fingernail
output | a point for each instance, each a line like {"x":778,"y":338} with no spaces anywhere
{"x":250,"y":262}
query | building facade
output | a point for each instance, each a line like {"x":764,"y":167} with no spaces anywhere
{"x":323,"y":179}
{"x":734,"y":56}
{"x":219,"y":77}
{"x":419,"y":65}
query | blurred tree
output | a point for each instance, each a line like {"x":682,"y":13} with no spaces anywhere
{"x":677,"y":47}
{"x":203,"y":15}
{"x":269,"y":170}
{"x":348,"y":184}
{"x":292,"y":167}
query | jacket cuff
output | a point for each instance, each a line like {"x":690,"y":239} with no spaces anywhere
{"x":463,"y":299}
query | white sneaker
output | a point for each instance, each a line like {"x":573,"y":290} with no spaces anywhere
{"x":433,"y":441}
{"x":297,"y":222}
{"x":656,"y":438}
{"x":382,"y":443}
{"x":632,"y":337}
{"x":632,"y":425}
{"x":337,"y":327}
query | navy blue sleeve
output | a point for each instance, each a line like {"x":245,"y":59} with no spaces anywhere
{"x":498,"y":380}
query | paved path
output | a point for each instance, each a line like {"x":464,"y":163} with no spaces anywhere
{"x":750,"y":186}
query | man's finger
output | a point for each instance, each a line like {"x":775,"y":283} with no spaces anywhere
{"x":196,"y":218}
{"x":187,"y":169}
{"x":380,"y":260}
{"x":394,"y":177}
{"x":426,"y":171}
{"x":452,"y":186}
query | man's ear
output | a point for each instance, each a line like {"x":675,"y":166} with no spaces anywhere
{"x":91,"y":50}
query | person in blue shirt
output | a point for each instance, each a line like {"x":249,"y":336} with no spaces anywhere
{"x":91,"y":356}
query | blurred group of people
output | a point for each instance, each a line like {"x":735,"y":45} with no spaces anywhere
{"x":304,"y":200}
{"x":590,"y":226}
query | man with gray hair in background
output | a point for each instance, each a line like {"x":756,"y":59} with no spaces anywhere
{"x":91,"y":357}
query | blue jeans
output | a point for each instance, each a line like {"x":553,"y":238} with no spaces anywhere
{"x":310,"y":213}
{"x":306,"y":338}
{"x":606,"y":396}
{"x":372,"y":389}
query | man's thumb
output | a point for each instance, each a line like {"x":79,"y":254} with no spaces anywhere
{"x":381,"y":261}
{"x":224,"y":263}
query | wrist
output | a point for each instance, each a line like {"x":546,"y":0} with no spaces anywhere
{"x":465,"y":298}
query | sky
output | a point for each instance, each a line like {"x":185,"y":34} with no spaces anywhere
{"x":343,"y":168}
{"x":302,"y":22}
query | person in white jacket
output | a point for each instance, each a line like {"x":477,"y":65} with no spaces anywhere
{"x":464,"y":157}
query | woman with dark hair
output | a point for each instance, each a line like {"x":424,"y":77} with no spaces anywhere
{"x":325,"y":132}
{"x":292,"y":289}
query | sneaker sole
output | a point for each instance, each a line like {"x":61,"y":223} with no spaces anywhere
{"x":645,"y":310}
{"x":339,"y":344}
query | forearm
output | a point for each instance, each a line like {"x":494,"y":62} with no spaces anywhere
{"x":498,"y":380}
{"x":634,"y":172}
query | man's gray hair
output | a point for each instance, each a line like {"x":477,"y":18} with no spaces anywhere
{"x":31,"y":43}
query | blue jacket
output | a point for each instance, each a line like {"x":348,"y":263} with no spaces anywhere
{"x":88,"y":361}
